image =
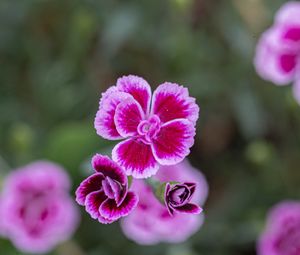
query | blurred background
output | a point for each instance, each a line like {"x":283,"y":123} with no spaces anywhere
{"x":57,"y":57}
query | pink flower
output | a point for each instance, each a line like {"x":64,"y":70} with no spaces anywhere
{"x":151,"y":223}
{"x":282,"y":233}
{"x":177,"y":198}
{"x":36,"y":210}
{"x":161,"y":133}
{"x":105,"y":194}
{"x":278,"y":50}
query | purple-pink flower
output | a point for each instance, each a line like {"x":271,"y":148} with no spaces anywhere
{"x":36,"y":211}
{"x":105,"y":194}
{"x":178,"y":196}
{"x":278,"y":50}
{"x":282,"y":232}
{"x":150,"y":222}
{"x":158,"y":128}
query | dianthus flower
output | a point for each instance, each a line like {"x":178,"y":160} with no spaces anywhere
{"x":278,"y":50}
{"x":282,"y":232}
{"x":36,"y":211}
{"x":151,"y":223}
{"x":160,"y":130}
{"x":105,"y":194}
{"x":177,"y":198}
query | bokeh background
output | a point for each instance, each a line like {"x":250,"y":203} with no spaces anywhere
{"x":57,"y":56}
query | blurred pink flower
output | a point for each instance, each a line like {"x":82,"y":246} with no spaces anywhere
{"x":105,"y":194}
{"x":277,"y":56}
{"x":178,"y":196}
{"x":151,"y":223}
{"x":36,"y":211}
{"x":282,"y":232}
{"x":162,"y":133}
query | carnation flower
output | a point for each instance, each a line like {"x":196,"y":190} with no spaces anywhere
{"x":178,"y":196}
{"x":160,"y":130}
{"x":105,"y":194}
{"x":151,"y":223}
{"x":278,"y":50}
{"x":36,"y":211}
{"x":282,"y":232}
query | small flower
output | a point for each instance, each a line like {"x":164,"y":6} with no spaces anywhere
{"x":278,"y":50}
{"x":36,"y":211}
{"x":282,"y":233}
{"x":178,"y":197}
{"x":160,"y":130}
{"x":150,"y":222}
{"x":105,"y":194}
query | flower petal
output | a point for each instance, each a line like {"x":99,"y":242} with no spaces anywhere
{"x":104,"y":120}
{"x":272,"y":61}
{"x":104,"y":220}
{"x":114,"y":190}
{"x":138,"y":88}
{"x":292,"y":34}
{"x":107,"y":187}
{"x":136,"y":158}
{"x":90,"y":184}
{"x":171,"y":101}
{"x":107,"y":167}
{"x":288,"y":13}
{"x":189,"y":208}
{"x":192,"y":186}
{"x":93,"y":202}
{"x":172,"y":143}
{"x":128,"y":116}
{"x":111,"y":211}
{"x":166,"y":198}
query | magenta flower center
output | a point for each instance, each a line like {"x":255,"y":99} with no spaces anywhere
{"x":293,"y":34}
{"x":179,"y":196}
{"x":289,"y":242}
{"x":289,"y":60}
{"x":148,"y":129}
{"x":34,"y":211}
{"x":111,"y":187}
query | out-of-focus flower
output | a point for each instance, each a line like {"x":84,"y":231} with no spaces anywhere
{"x":178,"y":197}
{"x":282,"y":233}
{"x":151,"y":223}
{"x":36,"y":211}
{"x":105,"y":194}
{"x":278,"y":50}
{"x":162,"y":133}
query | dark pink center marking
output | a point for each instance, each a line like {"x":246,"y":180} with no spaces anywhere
{"x":148,"y":129}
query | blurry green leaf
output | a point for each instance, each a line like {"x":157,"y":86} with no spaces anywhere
{"x":71,"y":143}
{"x":259,"y":152}
{"x":249,"y":113}
{"x":182,"y":4}
{"x":181,"y":249}
{"x":22,"y":137}
{"x":119,"y":28}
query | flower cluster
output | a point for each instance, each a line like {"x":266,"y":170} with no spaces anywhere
{"x":158,"y":131}
{"x":282,"y":233}
{"x":278,"y":50}
{"x":36,"y":211}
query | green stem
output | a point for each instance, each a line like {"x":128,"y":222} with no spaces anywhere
{"x":158,"y":189}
